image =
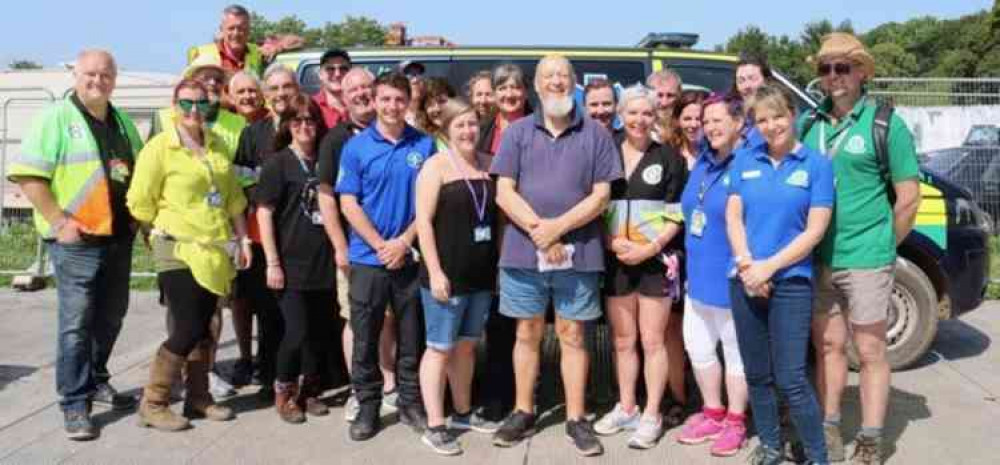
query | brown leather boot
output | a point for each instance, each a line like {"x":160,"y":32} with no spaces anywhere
{"x":198,"y":402}
{"x":309,"y":396}
{"x":154,"y":410}
{"x":286,"y":402}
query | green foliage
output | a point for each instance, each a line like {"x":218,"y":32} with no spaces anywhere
{"x":968,"y":46}
{"x":24,"y":64}
{"x":353,"y":31}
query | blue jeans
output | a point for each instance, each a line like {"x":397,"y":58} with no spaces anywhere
{"x":773,"y":335}
{"x":92,"y":286}
{"x":461,"y":318}
{"x":525,"y":294}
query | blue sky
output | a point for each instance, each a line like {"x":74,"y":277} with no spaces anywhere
{"x":153,"y":36}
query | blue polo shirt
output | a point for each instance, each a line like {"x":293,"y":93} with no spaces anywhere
{"x":708,"y":255}
{"x":382,"y":175}
{"x":776,"y":200}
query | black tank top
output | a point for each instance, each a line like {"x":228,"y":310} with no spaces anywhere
{"x":469,"y":266}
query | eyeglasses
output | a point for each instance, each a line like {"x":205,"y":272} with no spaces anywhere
{"x":840,"y":69}
{"x":336,"y":69}
{"x":298,"y":121}
{"x":204,"y":106}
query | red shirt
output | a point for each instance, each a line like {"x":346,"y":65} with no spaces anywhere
{"x":331,"y":116}
{"x":230,"y":61}
{"x":499,"y":125}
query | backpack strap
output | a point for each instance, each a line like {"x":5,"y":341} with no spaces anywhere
{"x":880,"y":137}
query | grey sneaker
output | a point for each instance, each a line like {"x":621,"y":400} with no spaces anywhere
{"x":441,"y":441}
{"x":646,"y":434}
{"x":219,"y":388}
{"x":78,"y":425}
{"x":351,"y":409}
{"x":581,"y":435}
{"x":107,"y":396}
{"x":389,"y":402}
{"x":867,"y":451}
{"x":474,"y":422}
{"x":617,"y":420}
{"x":764,"y":455}
{"x":834,"y":442}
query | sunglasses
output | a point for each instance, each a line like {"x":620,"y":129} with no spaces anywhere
{"x":334,"y":69}
{"x":204,"y":106}
{"x":840,"y":69}
{"x":298,"y":121}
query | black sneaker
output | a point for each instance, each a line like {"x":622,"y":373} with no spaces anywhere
{"x":518,"y":426}
{"x":78,"y":425}
{"x":367,"y":424}
{"x":106,"y":396}
{"x":582,"y":436}
{"x":414,"y":417}
{"x":242,"y":373}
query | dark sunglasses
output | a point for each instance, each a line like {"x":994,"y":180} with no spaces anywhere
{"x":840,"y":69}
{"x":300,"y":120}
{"x":204,"y":106}
{"x":336,"y":68}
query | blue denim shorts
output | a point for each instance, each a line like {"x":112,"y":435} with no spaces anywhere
{"x":461,"y":318}
{"x":525,"y":294}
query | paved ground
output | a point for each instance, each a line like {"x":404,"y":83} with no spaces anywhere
{"x":943,"y":411}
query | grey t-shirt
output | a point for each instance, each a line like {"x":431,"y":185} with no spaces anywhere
{"x":553,"y":175}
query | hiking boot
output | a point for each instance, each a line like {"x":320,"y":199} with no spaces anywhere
{"x":617,"y":420}
{"x":834,"y":443}
{"x":78,"y":425}
{"x":646,"y":433}
{"x":867,"y":451}
{"x":154,"y":409}
{"x":732,"y":438}
{"x":286,"y":402}
{"x":699,"y":428}
{"x":309,"y":397}
{"x":581,"y":435}
{"x":198,"y":401}
{"x":107,"y":396}
{"x":474,"y":422}
{"x":763,"y":455}
{"x":351,"y":408}
{"x":367,"y":423}
{"x":414,"y":417}
{"x":518,"y":426}
{"x":441,"y":441}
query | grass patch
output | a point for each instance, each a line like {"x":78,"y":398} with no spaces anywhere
{"x":993,"y":290}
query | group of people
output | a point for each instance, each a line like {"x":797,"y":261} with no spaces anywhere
{"x":429,"y":222}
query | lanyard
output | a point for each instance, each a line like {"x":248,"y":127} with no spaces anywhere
{"x":480,"y":207}
{"x":310,"y":175}
{"x":703,"y":189}
{"x":838,"y":143}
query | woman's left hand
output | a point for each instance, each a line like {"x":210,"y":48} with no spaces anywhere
{"x":639,"y":253}
{"x":758,"y":274}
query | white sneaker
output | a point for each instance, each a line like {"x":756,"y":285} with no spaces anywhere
{"x":219,"y":388}
{"x":646,"y":434}
{"x":351,"y":409}
{"x":617,"y":420}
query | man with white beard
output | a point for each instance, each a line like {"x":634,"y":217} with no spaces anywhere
{"x":555,"y":170}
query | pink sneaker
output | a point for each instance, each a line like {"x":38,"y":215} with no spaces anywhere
{"x":731,"y":440}
{"x":700,"y":428}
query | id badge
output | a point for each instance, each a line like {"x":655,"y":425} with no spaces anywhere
{"x":317,"y":218}
{"x":698,"y":222}
{"x":214,"y":199}
{"x":482,"y":234}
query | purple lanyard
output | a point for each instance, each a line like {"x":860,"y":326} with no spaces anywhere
{"x":480,"y":207}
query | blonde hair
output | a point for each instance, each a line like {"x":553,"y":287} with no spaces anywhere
{"x":452,"y":109}
{"x":772,"y":97}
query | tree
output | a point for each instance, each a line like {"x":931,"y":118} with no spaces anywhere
{"x":891,"y":60}
{"x":24,"y":64}
{"x":354,"y":30}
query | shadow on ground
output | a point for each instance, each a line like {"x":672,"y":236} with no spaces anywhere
{"x":11,"y":373}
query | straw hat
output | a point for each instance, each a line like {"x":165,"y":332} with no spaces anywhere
{"x":845,"y":45}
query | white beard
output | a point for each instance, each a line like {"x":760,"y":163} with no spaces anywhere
{"x":557,"y":107}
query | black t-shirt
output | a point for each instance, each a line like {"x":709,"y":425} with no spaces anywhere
{"x":256,"y":143}
{"x":118,"y":162}
{"x":305,"y":251}
{"x":329,"y":158}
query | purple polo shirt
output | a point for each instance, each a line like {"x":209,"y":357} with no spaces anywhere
{"x":553,"y":175}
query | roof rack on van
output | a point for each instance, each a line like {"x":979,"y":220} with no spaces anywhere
{"x":668,"y":39}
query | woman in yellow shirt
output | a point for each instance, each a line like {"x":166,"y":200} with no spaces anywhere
{"x":185,"y":191}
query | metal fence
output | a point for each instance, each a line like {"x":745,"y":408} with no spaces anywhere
{"x":21,"y":251}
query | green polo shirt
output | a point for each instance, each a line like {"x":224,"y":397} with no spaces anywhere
{"x":861,"y":231}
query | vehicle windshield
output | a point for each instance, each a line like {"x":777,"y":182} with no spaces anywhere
{"x":983,"y":136}
{"x":944,"y":162}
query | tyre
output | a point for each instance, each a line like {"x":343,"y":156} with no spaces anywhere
{"x":913,"y":318}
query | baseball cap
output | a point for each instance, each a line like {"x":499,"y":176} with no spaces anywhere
{"x":334,"y":53}
{"x":416,"y":65}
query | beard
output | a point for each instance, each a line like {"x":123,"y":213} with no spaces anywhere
{"x":557,"y":106}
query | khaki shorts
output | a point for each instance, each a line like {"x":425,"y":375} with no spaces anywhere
{"x":343,"y":286}
{"x":862,"y":295}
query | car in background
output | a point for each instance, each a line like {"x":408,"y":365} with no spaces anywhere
{"x":975,"y":166}
{"x":943,"y":265}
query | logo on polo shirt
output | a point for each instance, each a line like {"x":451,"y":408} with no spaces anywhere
{"x":75,"y":131}
{"x":652,"y":174}
{"x":750,"y":174}
{"x":414,"y":159}
{"x":856,"y":145}
{"x":799,"y":178}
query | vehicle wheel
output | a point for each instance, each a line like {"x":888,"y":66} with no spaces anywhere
{"x":913,"y":319}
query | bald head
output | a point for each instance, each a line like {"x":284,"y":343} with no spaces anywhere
{"x":245,"y":93}
{"x":358,"y":94}
{"x":94,"y":76}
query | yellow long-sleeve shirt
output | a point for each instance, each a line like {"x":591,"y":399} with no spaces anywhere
{"x":170,"y":189}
